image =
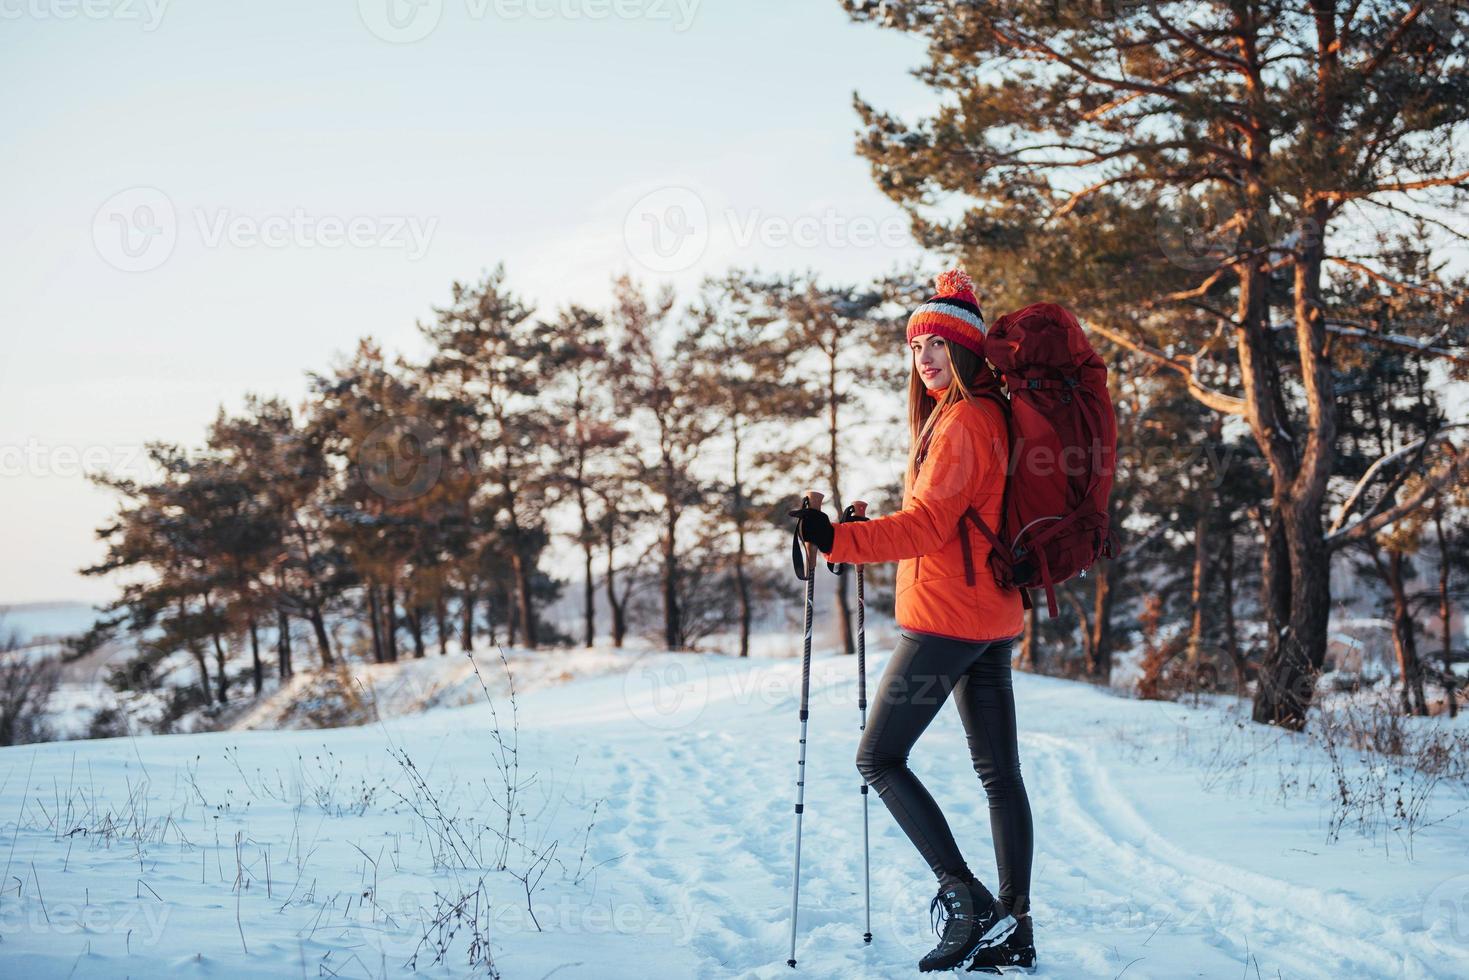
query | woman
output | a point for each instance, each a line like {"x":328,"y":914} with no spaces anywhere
{"x":957,"y":628}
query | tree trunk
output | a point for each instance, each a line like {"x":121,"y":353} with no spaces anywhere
{"x":522,"y":595}
{"x":1199,"y":590}
{"x":1030,"y":653}
{"x":1278,"y":674}
{"x":415,"y":629}
{"x":1231,"y":629}
{"x":283,"y":644}
{"x":222,"y":681}
{"x":742,"y":584}
{"x":1301,"y":467}
{"x":672,"y":632}
{"x":1286,"y":687}
{"x":441,"y":622}
{"x":323,"y":641}
{"x":466,"y":609}
{"x":203,"y":663}
{"x":589,"y":590}
{"x":255,"y":653}
{"x":373,"y":614}
{"x":390,"y":623}
{"x":1404,"y":639}
{"x":619,"y":627}
{"x":1445,"y":611}
{"x":1083,"y":621}
{"x":742,"y":588}
{"x":1100,"y":667}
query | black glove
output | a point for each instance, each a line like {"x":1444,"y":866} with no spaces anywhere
{"x":848,"y":516}
{"x":815,"y":528}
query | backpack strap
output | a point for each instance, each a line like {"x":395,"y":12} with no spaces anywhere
{"x":1046,"y":583}
{"x":996,"y":546}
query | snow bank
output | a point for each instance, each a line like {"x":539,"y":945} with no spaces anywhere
{"x":637,"y":822}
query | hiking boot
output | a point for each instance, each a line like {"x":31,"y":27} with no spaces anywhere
{"x":1017,"y":951}
{"x":971,"y":917}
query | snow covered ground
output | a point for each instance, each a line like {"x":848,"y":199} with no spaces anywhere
{"x":653,"y":829}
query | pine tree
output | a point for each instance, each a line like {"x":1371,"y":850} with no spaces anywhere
{"x":752,"y":393}
{"x":583,"y":443}
{"x":846,"y":349}
{"x":656,"y":386}
{"x":1177,"y":172}
{"x":486,"y":345}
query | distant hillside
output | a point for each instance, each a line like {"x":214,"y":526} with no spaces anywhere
{"x":35,"y":622}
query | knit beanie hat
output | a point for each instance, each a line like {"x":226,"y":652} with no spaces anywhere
{"x":953,"y":312}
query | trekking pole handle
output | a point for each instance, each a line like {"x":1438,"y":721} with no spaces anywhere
{"x":811,"y":499}
{"x":855,"y":511}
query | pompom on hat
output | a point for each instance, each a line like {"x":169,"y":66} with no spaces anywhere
{"x":953,"y":312}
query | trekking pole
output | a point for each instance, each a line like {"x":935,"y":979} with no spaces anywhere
{"x":806,"y":571}
{"x":857,"y":511}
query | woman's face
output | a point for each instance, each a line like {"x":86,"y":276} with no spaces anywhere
{"x":931,"y":360}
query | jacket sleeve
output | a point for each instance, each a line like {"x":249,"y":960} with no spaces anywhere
{"x":945,"y":485}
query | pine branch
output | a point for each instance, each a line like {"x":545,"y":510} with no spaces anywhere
{"x":1455,"y":468}
{"x":1377,"y":60}
{"x":1194,"y":44}
{"x":1397,"y":284}
{"x":1183,"y":365}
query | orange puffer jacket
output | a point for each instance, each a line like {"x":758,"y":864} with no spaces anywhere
{"x":964,"y":467}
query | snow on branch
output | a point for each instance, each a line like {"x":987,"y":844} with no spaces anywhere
{"x":1456,"y":467}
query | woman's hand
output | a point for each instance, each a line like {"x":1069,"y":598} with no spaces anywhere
{"x":815,"y":527}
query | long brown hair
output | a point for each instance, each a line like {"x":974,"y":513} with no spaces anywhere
{"x":923,"y":411}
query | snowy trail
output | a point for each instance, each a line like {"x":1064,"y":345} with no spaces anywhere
{"x":683,"y":867}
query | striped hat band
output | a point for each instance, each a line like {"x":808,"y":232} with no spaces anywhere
{"x":951,"y":319}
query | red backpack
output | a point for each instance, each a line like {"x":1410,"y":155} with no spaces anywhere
{"x":1063,"y":451}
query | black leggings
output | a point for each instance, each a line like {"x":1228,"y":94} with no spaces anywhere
{"x":923,"y":670}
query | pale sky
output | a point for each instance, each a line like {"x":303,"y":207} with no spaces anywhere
{"x":209,"y":198}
